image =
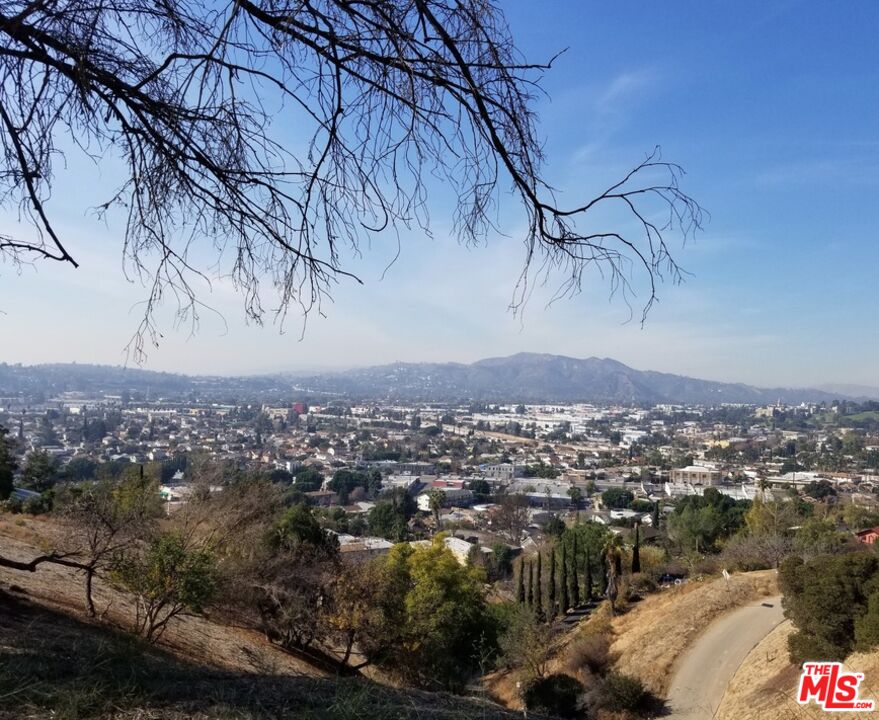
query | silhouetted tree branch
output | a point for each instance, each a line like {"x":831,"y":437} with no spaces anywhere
{"x":282,"y":134}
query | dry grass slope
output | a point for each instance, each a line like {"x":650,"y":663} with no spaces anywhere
{"x":764,"y":688}
{"x":649,"y":639}
{"x":54,"y":666}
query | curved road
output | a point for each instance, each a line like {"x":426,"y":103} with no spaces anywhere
{"x":709,"y":665}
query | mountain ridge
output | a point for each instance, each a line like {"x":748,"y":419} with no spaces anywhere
{"x":523,"y":377}
{"x":543,"y":377}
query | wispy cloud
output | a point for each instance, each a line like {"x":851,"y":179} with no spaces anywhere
{"x":839,"y":171}
{"x":625,"y":87}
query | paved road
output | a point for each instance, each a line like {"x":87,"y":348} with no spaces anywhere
{"x":707,"y":668}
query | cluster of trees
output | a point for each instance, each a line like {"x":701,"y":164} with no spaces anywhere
{"x":255,"y":558}
{"x":390,"y":516}
{"x":541,"y":470}
{"x":833,"y":600}
{"x":572,"y":570}
{"x":617,"y":498}
{"x":700,"y":522}
{"x":345,"y":482}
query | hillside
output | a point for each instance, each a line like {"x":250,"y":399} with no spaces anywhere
{"x":531,"y":377}
{"x":764,"y":688}
{"x":55,"y":663}
{"x":526,"y":377}
{"x":52,"y":379}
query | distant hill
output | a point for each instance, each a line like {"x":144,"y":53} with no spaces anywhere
{"x":532,"y":377}
{"x":526,"y":377}
{"x":49,"y":380}
{"x":866,"y":392}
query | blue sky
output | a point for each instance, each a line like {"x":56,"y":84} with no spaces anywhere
{"x":772,"y":108}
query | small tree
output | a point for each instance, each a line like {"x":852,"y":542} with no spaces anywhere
{"x":40,"y":471}
{"x":512,"y":517}
{"x":166,"y":580}
{"x":104,"y":520}
{"x":527,"y":644}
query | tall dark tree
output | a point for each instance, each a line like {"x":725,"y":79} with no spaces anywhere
{"x":656,"y":518}
{"x":636,"y":550}
{"x":40,"y":471}
{"x":588,"y":578}
{"x":390,"y":98}
{"x":530,"y":589}
{"x":563,"y":580}
{"x":520,"y":587}
{"x":552,"y":609}
{"x":7,"y":465}
{"x":575,"y":575}
{"x":538,"y":589}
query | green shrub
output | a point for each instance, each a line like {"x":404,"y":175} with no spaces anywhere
{"x":625,"y":693}
{"x":554,"y":695}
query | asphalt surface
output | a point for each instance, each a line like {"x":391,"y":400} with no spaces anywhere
{"x":707,"y":668}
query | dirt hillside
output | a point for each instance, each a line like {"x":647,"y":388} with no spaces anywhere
{"x":764,"y":688}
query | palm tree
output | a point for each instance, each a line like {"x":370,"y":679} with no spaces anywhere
{"x":613,"y":566}
{"x":436,"y":498}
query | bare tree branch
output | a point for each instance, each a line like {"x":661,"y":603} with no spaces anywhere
{"x":276,"y":137}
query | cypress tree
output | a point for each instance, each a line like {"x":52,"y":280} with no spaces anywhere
{"x":538,"y":590}
{"x":575,"y":576}
{"x":563,"y":580}
{"x":656,"y":515}
{"x":520,"y":590}
{"x":551,"y":607}
{"x":636,"y":551}
{"x":530,"y":588}
{"x":588,"y":576}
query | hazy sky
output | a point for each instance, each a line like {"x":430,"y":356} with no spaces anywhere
{"x":773,"y":109}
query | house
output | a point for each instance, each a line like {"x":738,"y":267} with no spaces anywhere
{"x":362,"y":548}
{"x":452,"y":497}
{"x":696,"y":475}
{"x":506,"y":472}
{"x":869,"y":536}
{"x":459,"y":548}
